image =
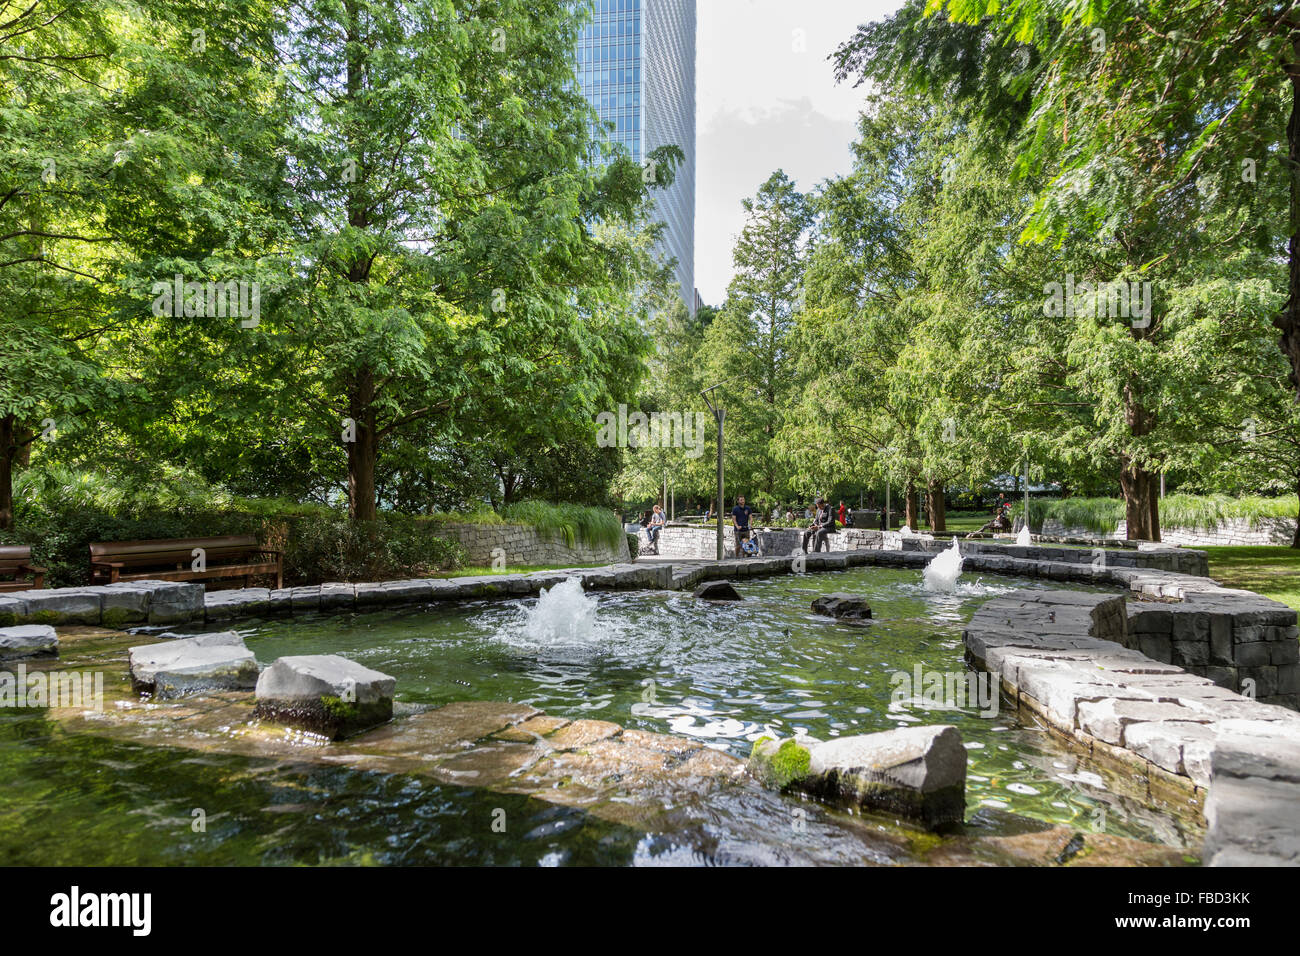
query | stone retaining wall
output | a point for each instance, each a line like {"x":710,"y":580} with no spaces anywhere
{"x":1234,"y":531}
{"x":1066,"y":657}
{"x":522,"y":545}
{"x":107,"y":605}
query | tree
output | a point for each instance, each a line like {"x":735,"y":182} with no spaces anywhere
{"x":748,"y":344}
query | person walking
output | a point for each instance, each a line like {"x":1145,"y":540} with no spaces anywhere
{"x":842,"y":513}
{"x":740,"y":522}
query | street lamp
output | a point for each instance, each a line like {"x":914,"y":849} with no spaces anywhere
{"x":719,"y":415}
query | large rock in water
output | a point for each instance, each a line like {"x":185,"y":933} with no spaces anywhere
{"x":218,"y":661}
{"x":28,"y":640}
{"x":717,"y":591}
{"x":918,"y":772}
{"x":843,"y":607}
{"x":326,"y":694}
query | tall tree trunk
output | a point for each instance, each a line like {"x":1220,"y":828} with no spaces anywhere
{"x":8,"y":453}
{"x":937,"y":506}
{"x":364,"y":451}
{"x":1288,"y":320}
{"x":912,"y":506}
{"x":1295,"y":539}
{"x":1140,"y":486}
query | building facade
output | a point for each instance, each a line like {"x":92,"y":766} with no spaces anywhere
{"x":636,"y":66}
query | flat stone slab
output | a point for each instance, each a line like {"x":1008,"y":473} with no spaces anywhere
{"x":325,"y":694}
{"x":206,"y":662}
{"x":919,"y":772}
{"x":28,"y":640}
{"x":851,"y":608}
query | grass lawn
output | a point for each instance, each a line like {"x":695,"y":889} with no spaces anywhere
{"x":1272,"y":571}
{"x":967,"y":520}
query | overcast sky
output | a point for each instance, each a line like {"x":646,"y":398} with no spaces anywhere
{"x":765,"y":104}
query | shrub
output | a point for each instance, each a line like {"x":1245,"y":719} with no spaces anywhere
{"x":574,"y":523}
{"x":334,"y":548}
{"x":1176,"y":511}
{"x":60,"y":512}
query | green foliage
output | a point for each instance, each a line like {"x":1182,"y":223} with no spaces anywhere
{"x":573,"y":523}
{"x":333,"y":548}
{"x":1176,"y":511}
{"x":60,"y":512}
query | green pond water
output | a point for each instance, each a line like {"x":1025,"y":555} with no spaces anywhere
{"x":724,"y":674}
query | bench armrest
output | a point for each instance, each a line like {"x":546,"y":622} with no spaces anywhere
{"x":34,"y":568}
{"x":107,"y":564}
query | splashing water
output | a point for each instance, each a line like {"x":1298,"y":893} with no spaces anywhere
{"x":562,"y":614}
{"x":1024,"y":538}
{"x":944,"y":569}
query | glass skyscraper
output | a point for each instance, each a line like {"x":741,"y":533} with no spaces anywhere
{"x":636,"y":66}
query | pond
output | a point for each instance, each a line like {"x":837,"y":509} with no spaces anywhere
{"x":724,"y":674}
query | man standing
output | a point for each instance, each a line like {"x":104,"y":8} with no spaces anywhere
{"x":740,"y":521}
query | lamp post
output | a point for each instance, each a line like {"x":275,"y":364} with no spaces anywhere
{"x":719,"y":415}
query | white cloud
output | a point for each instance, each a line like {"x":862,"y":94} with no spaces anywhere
{"x":767,"y":99}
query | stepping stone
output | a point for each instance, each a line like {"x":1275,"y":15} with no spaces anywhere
{"x":919,"y":772}
{"x":717,"y":591}
{"x":28,"y":640}
{"x":325,"y":694}
{"x":843,"y":607}
{"x":191,"y":665}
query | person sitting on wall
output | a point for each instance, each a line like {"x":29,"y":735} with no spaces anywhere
{"x":820,"y":529}
{"x":740,"y":522}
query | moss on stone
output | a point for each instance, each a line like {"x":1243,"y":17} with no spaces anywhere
{"x":780,"y":767}
{"x":336,"y":708}
{"x":115,"y":618}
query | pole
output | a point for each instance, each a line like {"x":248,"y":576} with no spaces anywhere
{"x":889,"y":520}
{"x":721,"y":415}
{"x":1162,"y":484}
{"x":1026,"y":490}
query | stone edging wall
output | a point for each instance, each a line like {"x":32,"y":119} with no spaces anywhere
{"x":1065,"y":656}
{"x":524,"y":545}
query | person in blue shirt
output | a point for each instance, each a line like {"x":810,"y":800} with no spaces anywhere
{"x":740,"y":521}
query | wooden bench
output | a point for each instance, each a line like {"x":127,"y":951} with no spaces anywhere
{"x":17,"y":573}
{"x":173,"y":559}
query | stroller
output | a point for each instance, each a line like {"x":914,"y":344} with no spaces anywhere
{"x":757,"y":544}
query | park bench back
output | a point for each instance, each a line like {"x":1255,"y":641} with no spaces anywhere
{"x":17,"y":573}
{"x":174,"y":551}
{"x":173,"y":559}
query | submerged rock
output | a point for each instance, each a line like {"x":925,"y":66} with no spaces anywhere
{"x":28,"y":640}
{"x":717,"y":591}
{"x":325,"y":694}
{"x":206,"y":662}
{"x":843,"y":607}
{"x":918,"y":772}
